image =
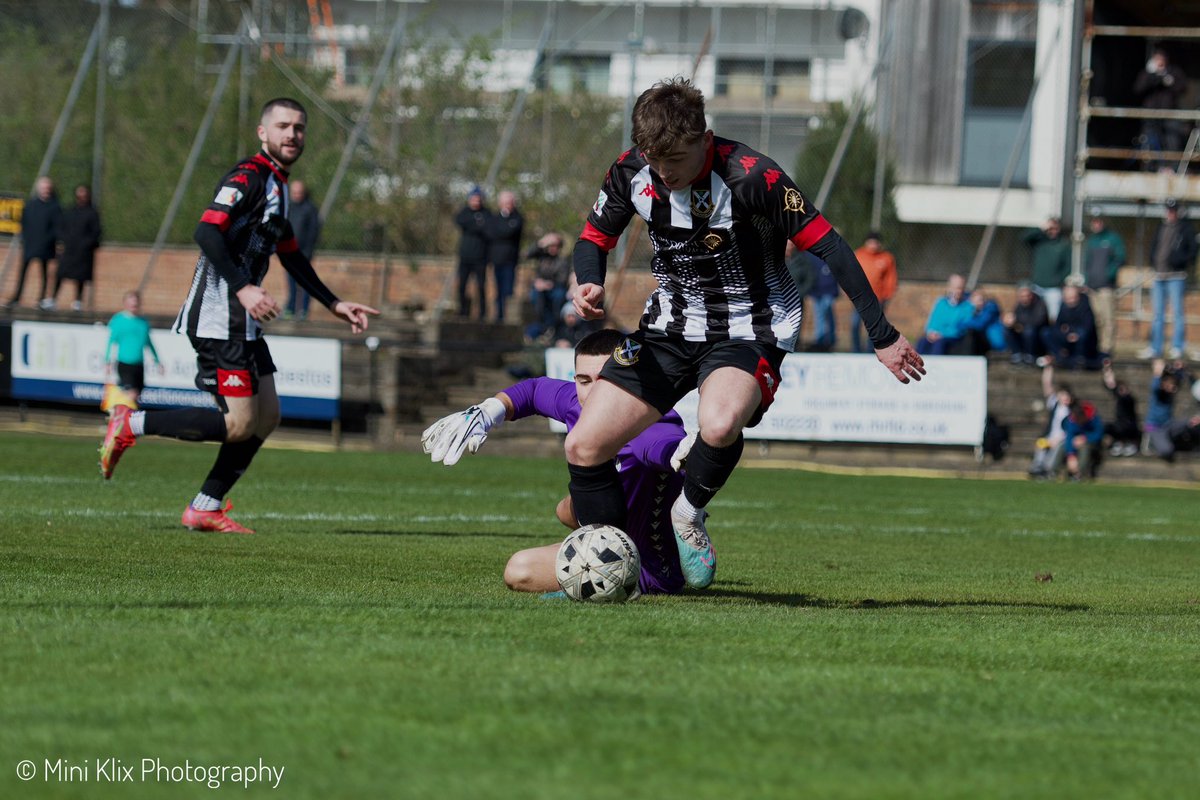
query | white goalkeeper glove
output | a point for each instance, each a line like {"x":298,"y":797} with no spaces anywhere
{"x":447,"y":439}
{"x":681,"y":452}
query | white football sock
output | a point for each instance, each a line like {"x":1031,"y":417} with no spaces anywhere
{"x":137,"y":423}
{"x":205,"y":503}
{"x":686,"y":510}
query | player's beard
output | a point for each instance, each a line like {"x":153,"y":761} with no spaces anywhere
{"x":275,"y":151}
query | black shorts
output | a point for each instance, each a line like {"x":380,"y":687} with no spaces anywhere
{"x":661,"y":370}
{"x":131,"y":376}
{"x":231,"y":367}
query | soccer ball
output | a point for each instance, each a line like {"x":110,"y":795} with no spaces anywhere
{"x":598,"y":564}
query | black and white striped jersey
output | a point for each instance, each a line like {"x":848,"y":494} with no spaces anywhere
{"x":718,"y":244}
{"x":250,"y":209}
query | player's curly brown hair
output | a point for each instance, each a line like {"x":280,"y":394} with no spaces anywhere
{"x":668,"y":114}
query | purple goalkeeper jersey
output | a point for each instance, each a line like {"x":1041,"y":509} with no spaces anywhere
{"x":651,"y":485}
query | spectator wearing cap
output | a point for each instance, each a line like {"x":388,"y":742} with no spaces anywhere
{"x":1172,"y":253}
{"x":1051,"y":254}
{"x":1103,"y":255}
{"x":472,"y":219}
{"x":880,"y":268}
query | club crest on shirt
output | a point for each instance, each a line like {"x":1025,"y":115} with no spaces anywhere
{"x":793,"y":201}
{"x":627,"y":352}
{"x":702,"y":204}
{"x":713,"y":240}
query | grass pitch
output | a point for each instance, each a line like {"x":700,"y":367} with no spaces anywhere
{"x":865,"y":638}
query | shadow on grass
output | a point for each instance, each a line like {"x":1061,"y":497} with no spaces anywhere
{"x":809,"y":601}
{"x":547,"y":539}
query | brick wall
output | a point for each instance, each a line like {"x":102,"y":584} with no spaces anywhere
{"x":423,"y":281}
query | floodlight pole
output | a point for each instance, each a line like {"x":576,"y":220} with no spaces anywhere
{"x":101,"y":91}
{"x":190,"y":166}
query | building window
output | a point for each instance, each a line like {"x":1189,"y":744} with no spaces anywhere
{"x":571,"y":74}
{"x":999,"y":81}
{"x":744,"y":80}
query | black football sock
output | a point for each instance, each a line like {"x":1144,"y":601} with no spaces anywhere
{"x":708,"y":468}
{"x":597,"y":495}
{"x":232,"y":461}
{"x":189,"y":424}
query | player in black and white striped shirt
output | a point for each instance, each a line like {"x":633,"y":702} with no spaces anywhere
{"x":724,"y":315}
{"x":245,"y":223}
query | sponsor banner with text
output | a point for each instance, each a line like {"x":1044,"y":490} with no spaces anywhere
{"x":66,"y":363}
{"x":836,"y":397}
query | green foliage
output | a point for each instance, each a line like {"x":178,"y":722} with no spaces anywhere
{"x":849,"y":205}
{"x":363,"y":638}
{"x":432,"y":135}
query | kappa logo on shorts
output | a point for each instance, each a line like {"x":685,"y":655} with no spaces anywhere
{"x":234,"y":383}
{"x":627,"y":352}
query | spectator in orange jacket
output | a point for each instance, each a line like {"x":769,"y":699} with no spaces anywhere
{"x":880,"y":267}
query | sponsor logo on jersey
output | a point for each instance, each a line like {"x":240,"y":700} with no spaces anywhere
{"x":771,"y":176}
{"x":600,"y":201}
{"x":793,"y":201}
{"x":702,"y":204}
{"x":627,"y":352}
{"x":713,"y":240}
{"x":748,"y":163}
{"x":228,"y":196}
{"x":649,"y":191}
{"x":724,"y":151}
{"x":241,"y":178}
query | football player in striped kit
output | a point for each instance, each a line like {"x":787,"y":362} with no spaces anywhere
{"x":723,"y":316}
{"x":223,"y":315}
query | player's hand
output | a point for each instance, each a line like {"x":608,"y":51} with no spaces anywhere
{"x":258,"y":302}
{"x":447,"y":439}
{"x":589,"y":301}
{"x":902,"y":360}
{"x":679,"y":458}
{"x":355,"y":313}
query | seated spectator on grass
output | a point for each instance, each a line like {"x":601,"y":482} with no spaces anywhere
{"x":1124,"y":432}
{"x":1024,"y":325}
{"x":984,"y":330}
{"x":946,"y":326}
{"x":1083,"y":433}
{"x":1071,"y":340}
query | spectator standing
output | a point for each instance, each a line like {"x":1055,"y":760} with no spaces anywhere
{"x":880,"y":268}
{"x":1159,"y":86}
{"x":1024,"y":326}
{"x":306,"y":224}
{"x":548,"y":290}
{"x":1071,"y":340}
{"x":947,"y":321}
{"x":801,"y":265}
{"x":81,"y":238}
{"x":1172,"y":253}
{"x":41,"y":226}
{"x":1124,"y":430}
{"x":129,"y":335}
{"x":472,"y":220}
{"x":504,"y":247}
{"x":1103,"y":255}
{"x":824,"y":294}
{"x":1051,"y":253}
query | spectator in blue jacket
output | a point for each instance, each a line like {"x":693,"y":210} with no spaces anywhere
{"x":1084,"y":433}
{"x":947,"y":321}
{"x":984,"y":330}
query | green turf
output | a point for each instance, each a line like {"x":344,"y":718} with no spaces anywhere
{"x":865,"y":638}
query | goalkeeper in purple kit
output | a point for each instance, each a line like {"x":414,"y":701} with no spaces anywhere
{"x":648,"y":465}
